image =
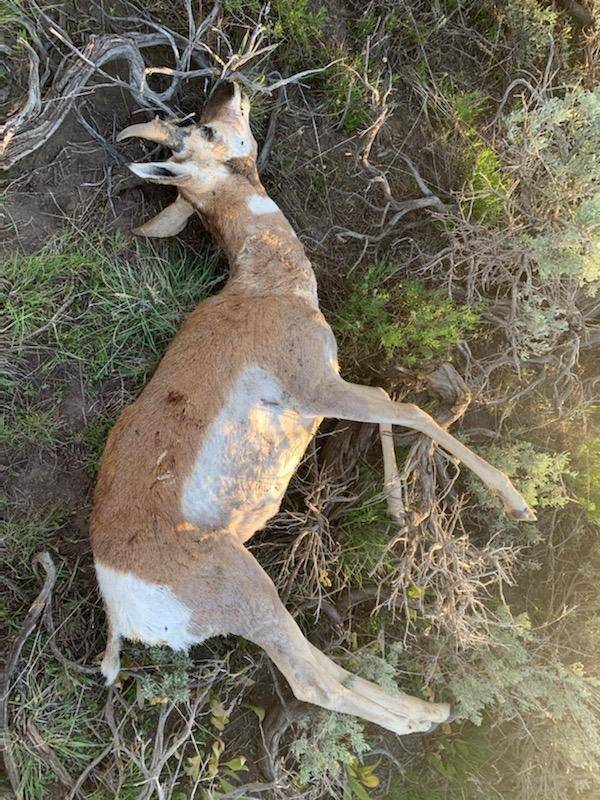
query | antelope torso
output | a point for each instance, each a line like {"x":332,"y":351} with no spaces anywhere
{"x":213,"y":440}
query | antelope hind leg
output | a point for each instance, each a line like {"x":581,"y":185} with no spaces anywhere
{"x":401,"y":703}
{"x":111,"y":662}
{"x":391,"y":476}
{"x":259,"y":615}
{"x":314,"y":679}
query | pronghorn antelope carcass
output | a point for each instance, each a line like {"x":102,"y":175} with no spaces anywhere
{"x":202,"y":459}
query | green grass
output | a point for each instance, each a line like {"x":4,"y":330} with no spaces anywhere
{"x":467,"y":106}
{"x":10,"y":15}
{"x":34,"y":426}
{"x":453,"y":766}
{"x":365,"y":531}
{"x":485,"y":190}
{"x":23,"y":538}
{"x":93,"y":439}
{"x":347,"y":94}
{"x":109,"y":307}
{"x":587,"y":480}
{"x":251,"y":7}
{"x":66,"y":714}
{"x":402,"y":319}
{"x":107,"y":304}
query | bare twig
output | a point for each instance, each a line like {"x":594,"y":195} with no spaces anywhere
{"x":43,"y":750}
{"x":29,"y":623}
{"x":66,"y":662}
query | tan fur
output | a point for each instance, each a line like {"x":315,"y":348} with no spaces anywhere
{"x":203,"y":422}
{"x":162,"y":432}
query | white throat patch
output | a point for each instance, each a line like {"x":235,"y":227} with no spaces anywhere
{"x":261,"y":205}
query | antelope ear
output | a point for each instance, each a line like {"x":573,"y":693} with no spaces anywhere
{"x":169,"y":222}
{"x":167,"y":172}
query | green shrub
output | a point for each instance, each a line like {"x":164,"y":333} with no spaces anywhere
{"x":587,"y":480}
{"x":538,"y":325}
{"x":523,"y":681}
{"x":328,"y":743}
{"x":538,"y":475}
{"x":485,"y":190}
{"x":301,"y":25}
{"x":365,"y":530}
{"x":466,"y":106}
{"x":402,"y":318}
{"x":370,"y":664}
{"x":171,"y":682}
{"x":553,"y":150}
{"x":529,"y":27}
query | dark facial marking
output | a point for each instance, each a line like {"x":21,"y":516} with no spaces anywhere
{"x":208,"y":132}
{"x":245,"y":167}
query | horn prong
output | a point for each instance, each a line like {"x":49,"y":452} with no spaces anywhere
{"x":157,"y":130}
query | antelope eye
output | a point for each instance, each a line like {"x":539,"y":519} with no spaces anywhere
{"x":208,"y":132}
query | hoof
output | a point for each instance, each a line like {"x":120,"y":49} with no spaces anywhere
{"x":522,"y":515}
{"x":452,"y":717}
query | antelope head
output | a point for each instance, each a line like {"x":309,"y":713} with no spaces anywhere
{"x":207,"y":158}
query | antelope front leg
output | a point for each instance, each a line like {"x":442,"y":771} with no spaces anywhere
{"x":343,"y":400}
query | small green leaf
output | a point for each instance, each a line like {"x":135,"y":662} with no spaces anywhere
{"x":358,"y":790}
{"x":258,"y":710}
{"x":237,"y":764}
{"x":192,"y":767}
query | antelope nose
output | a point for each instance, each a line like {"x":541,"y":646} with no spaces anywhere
{"x":223,"y":91}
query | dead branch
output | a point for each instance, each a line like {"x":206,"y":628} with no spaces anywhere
{"x":265,"y":151}
{"x":400,"y":208}
{"x":31,"y":106}
{"x":277,"y":722}
{"x":29,"y":623}
{"x":39,"y":117}
{"x":430,"y":550}
{"x":66,"y":662}
{"x":68,"y":83}
{"x":43,"y":750}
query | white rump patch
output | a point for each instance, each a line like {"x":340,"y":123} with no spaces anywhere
{"x":258,"y":204}
{"x":143,"y":611}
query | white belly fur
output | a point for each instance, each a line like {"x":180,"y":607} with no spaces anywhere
{"x":143,"y":611}
{"x":250,"y":453}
